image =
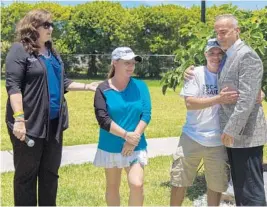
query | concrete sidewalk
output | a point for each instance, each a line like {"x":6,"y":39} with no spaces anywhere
{"x":79,"y":154}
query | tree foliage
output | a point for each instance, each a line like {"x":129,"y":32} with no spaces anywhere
{"x":98,"y":27}
{"x":253,"y":32}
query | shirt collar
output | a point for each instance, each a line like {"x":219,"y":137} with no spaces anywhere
{"x":231,"y":49}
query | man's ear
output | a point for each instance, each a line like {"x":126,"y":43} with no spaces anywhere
{"x":238,"y":31}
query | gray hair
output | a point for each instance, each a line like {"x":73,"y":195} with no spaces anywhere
{"x":230,"y":17}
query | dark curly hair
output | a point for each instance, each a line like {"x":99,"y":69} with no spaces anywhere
{"x":26,"y":30}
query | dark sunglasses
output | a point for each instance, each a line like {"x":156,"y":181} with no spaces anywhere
{"x":47,"y":25}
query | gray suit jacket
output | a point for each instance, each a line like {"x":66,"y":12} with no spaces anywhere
{"x":245,"y":120}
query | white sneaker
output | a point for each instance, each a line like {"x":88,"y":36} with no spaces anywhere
{"x":229,"y":195}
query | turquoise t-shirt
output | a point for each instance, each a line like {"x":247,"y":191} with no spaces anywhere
{"x":126,"y":108}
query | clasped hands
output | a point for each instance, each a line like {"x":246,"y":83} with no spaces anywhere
{"x":132,"y":140}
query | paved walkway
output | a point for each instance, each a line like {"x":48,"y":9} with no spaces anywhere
{"x":79,"y":154}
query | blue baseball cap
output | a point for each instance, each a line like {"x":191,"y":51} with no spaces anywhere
{"x":212,"y":43}
{"x":125,"y":53}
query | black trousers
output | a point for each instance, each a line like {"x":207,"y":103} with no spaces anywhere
{"x":37,"y":164}
{"x":247,"y":175}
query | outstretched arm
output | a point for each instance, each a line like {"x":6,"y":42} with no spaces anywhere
{"x":75,"y":86}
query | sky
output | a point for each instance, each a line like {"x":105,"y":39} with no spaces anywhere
{"x":244,"y":4}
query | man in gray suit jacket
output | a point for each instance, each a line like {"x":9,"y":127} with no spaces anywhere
{"x":243,"y":125}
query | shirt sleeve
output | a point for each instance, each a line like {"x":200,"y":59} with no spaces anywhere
{"x":146,"y":104}
{"x":101,"y":112}
{"x":191,"y":87}
{"x":16,"y":63}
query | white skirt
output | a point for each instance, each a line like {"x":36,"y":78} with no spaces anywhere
{"x":109,"y":160}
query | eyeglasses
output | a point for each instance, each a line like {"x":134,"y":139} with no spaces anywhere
{"x":47,"y":25}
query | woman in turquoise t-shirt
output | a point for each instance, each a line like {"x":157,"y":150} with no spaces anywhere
{"x":123,"y":110}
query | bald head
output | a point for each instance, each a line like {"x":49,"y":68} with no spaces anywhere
{"x":227,"y":30}
{"x":229,"y":18}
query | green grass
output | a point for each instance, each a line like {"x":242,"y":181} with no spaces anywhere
{"x":84,"y":185}
{"x":168,"y":116}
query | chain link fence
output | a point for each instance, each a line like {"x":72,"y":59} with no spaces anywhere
{"x":92,"y":65}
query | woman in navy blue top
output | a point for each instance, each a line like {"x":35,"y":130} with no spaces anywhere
{"x":123,"y":110}
{"x":36,"y":109}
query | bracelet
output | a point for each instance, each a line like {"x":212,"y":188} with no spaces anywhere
{"x":125,"y":134}
{"x":18,"y":114}
{"x":21,"y":120}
